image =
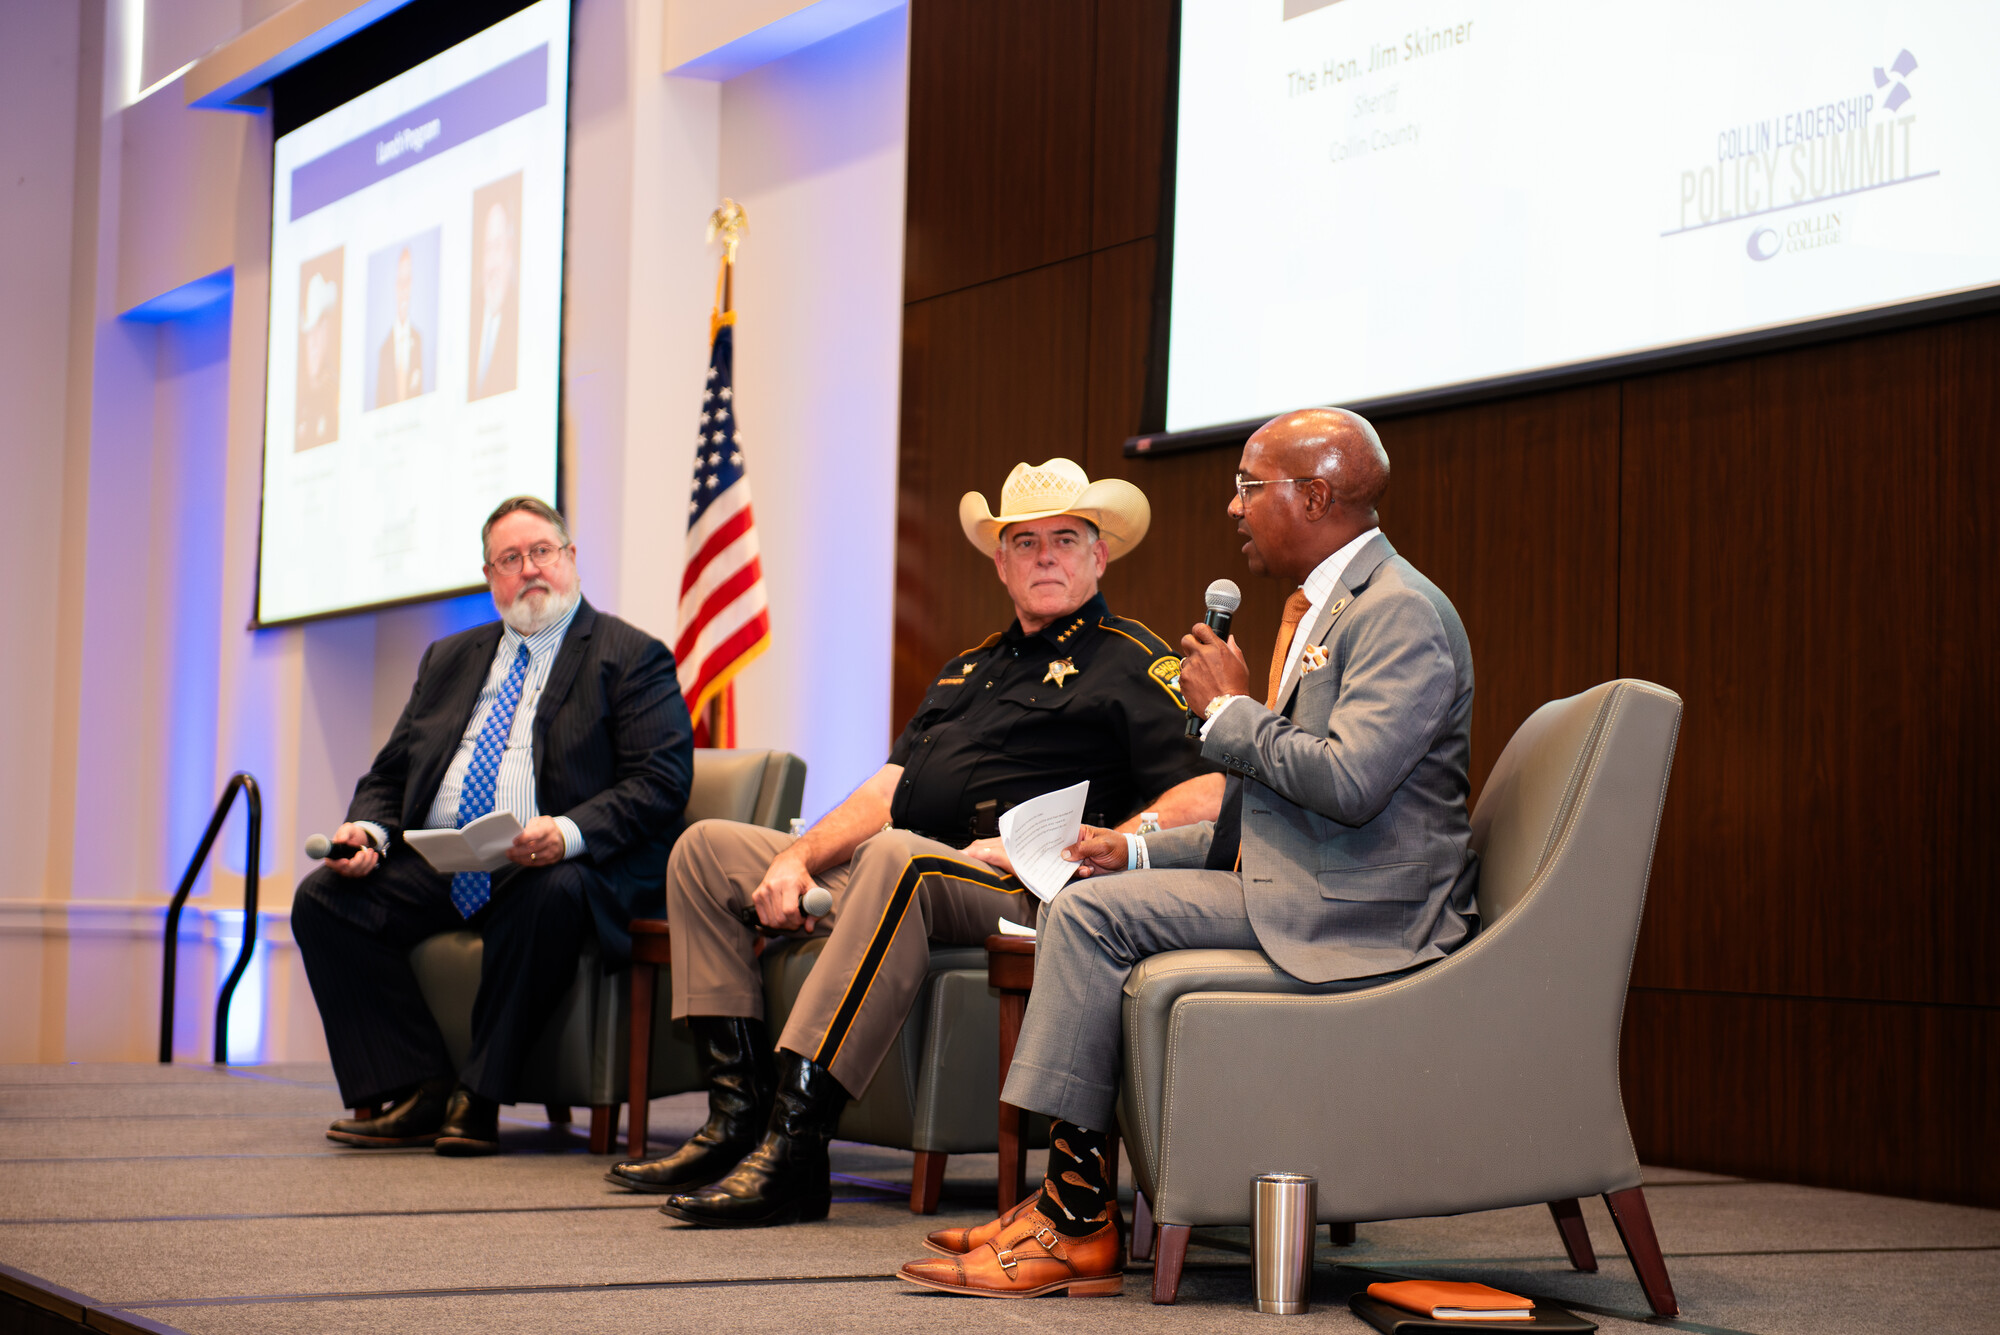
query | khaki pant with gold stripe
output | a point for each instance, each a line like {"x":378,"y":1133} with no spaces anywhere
{"x":899,"y":894}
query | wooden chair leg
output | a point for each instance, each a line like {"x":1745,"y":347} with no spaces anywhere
{"x":1340,"y":1235}
{"x":1013,"y":1159}
{"x":1575,"y":1234}
{"x":603,"y":1127}
{"x":558,"y":1114}
{"x":1635,"y":1230}
{"x":927,"y":1181}
{"x":1142,"y":1227}
{"x":638,"y":1066}
{"x":1172,"y":1243}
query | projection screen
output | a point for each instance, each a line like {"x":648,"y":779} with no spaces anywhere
{"x":1378,"y":198}
{"x":416,"y":302}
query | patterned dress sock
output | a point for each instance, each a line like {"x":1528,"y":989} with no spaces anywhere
{"x":1076,"y":1194}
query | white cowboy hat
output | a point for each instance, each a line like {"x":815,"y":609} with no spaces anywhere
{"x":1059,"y":487}
{"x":322,"y":295}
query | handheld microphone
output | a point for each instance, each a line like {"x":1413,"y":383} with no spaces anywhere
{"x":1221,"y":601}
{"x":319,"y":846}
{"x":814,"y":903}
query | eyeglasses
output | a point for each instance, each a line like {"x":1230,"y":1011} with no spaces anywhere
{"x":541,"y":556}
{"x":1243,"y":484}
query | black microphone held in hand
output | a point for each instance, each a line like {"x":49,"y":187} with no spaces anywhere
{"x":319,"y":846}
{"x":1221,"y":601}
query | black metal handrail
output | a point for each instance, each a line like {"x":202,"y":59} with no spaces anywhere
{"x":253,"y":839}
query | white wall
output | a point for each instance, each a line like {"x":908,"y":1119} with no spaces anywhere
{"x":813,"y":148}
{"x":39,"y":71}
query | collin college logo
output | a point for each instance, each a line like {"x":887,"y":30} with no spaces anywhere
{"x":1905,"y":64}
{"x":1766,"y":243}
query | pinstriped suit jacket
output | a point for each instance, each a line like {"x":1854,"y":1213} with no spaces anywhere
{"x":1356,"y":856}
{"x":613,"y":747}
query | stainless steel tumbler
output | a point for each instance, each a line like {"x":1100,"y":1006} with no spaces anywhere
{"x":1281,"y":1242}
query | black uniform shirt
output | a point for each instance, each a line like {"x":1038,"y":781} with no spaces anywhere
{"x":997,"y":725}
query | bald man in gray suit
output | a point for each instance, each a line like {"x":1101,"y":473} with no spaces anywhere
{"x":1341,"y":850}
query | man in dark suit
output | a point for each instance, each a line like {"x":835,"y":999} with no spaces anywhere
{"x":571,"y":719}
{"x":399,"y":368}
{"x":495,"y":325}
{"x":1342,"y":850}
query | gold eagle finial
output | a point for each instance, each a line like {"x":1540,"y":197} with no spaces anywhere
{"x":729,"y":222}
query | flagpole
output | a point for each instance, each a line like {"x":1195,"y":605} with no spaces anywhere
{"x":728,"y":222}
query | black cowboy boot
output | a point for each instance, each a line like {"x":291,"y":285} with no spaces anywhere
{"x":786,"y":1179}
{"x":735,"y":1057}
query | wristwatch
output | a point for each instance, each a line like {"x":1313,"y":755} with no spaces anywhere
{"x":1215,"y":706}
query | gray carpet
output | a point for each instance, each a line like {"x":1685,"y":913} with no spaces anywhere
{"x":208,"y":1200}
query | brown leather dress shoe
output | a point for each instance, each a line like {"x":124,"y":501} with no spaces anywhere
{"x":959,"y":1241}
{"x":1027,"y":1259}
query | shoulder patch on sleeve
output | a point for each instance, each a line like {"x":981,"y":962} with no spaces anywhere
{"x":1166,"y":670}
{"x":1139,"y":633}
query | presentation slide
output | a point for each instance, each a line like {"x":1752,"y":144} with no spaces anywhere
{"x":416,"y":308}
{"x":1381,"y":197}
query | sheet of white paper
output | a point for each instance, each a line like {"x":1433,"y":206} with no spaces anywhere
{"x":1011,"y":928}
{"x":480,"y":846}
{"x":1037,"y":831}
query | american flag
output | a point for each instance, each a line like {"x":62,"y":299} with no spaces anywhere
{"x":725,"y":617}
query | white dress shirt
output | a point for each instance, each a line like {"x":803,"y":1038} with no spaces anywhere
{"x":514,"y":788}
{"x":489,"y":339}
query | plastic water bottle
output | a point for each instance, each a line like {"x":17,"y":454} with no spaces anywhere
{"x":1149,"y":822}
{"x":798,"y":826}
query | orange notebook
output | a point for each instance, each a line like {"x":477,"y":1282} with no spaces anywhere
{"x":1455,"y":1302}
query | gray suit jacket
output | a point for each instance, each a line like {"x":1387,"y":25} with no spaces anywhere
{"x":1356,"y":856}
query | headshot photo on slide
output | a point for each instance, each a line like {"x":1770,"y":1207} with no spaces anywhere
{"x":318,"y":384}
{"x":493,"y":349}
{"x":402,"y":317}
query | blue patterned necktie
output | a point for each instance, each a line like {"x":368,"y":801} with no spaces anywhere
{"x":471,"y":889}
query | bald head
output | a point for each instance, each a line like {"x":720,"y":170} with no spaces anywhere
{"x":1336,"y":445}
{"x":1322,"y":472}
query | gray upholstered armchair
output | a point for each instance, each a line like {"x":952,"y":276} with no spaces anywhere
{"x":1487,"y":1080}
{"x":581,"y":1056}
{"x":937,"y":1088}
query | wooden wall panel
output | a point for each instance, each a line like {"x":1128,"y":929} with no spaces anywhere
{"x":1890,"y":1098}
{"x":1511,"y":509}
{"x":1000,"y":139}
{"x":1806,"y":561}
{"x":1129,"y":126}
{"x":992,"y":376}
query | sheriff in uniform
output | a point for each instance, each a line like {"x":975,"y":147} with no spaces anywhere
{"x":1066,"y":693}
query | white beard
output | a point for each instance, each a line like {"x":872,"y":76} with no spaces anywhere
{"x":526,"y":621}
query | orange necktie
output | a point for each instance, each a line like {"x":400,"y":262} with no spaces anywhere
{"x":1295,"y":611}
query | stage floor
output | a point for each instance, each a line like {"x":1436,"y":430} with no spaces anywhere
{"x":207,"y":1200}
